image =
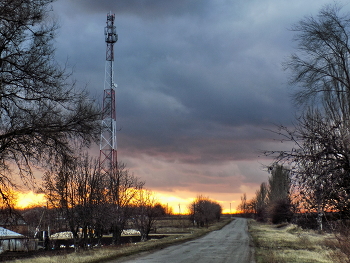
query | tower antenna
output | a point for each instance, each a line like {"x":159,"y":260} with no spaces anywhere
{"x":108,"y":142}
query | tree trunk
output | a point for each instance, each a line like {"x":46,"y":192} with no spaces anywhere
{"x":117,"y":232}
{"x":319,"y":218}
{"x":144,"y":236}
{"x":99,"y":234}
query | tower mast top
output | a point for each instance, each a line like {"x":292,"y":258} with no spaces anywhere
{"x":111,"y":36}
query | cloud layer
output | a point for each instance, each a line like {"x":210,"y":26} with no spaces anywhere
{"x":199,"y":82}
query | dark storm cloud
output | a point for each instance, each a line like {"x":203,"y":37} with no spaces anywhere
{"x":183,"y":90}
{"x":143,"y":8}
{"x":198,"y":82}
{"x":187,"y":78}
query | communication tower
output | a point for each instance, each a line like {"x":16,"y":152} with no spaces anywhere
{"x":108,"y":142}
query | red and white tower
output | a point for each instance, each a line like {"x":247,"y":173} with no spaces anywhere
{"x":108,"y":143}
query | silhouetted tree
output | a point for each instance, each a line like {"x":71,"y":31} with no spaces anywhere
{"x":146,"y":212}
{"x":316,"y":161}
{"x":204,"y":211}
{"x":243,"y":206}
{"x":278,"y":183}
{"x":123,"y":188}
{"x":261,"y":203}
{"x":77,"y":189}
{"x":281,"y":211}
{"x":41,"y":112}
{"x":320,"y":68}
{"x":279,"y":200}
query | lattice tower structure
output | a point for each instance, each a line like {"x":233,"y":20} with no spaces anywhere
{"x":108,"y":143}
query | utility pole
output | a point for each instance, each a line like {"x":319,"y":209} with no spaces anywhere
{"x":108,"y":142}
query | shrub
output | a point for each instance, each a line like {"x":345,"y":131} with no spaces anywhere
{"x":281,"y":212}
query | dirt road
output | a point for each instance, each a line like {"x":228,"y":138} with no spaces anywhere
{"x":230,"y":244}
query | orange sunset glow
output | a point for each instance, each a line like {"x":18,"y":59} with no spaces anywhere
{"x":29,"y":199}
{"x":179,"y":205}
{"x":175,"y":204}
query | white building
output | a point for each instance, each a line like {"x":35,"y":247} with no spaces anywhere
{"x":12,"y":241}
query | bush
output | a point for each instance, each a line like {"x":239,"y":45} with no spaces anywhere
{"x":281,"y":212}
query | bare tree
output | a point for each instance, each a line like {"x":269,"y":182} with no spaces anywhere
{"x":243,"y":206}
{"x":90,"y":199}
{"x":272,"y":199}
{"x":319,"y":163}
{"x":204,"y":211}
{"x":320,"y":68}
{"x":146,"y":211}
{"x":123,"y":187}
{"x":41,"y":112}
{"x":76,"y":188}
{"x":261,"y":202}
{"x":247,"y":207}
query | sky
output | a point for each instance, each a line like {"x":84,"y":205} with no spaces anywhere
{"x":200,"y":83}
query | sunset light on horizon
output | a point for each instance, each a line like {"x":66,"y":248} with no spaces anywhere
{"x":173,"y":203}
{"x":29,"y":199}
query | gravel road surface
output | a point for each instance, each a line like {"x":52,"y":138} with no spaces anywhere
{"x":228,"y":245}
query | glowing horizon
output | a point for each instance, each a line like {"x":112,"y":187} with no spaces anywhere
{"x":29,"y":200}
{"x":173,"y":202}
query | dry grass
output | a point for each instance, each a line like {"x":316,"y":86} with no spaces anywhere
{"x":173,"y":225}
{"x":289,"y":243}
{"x":110,"y":253}
{"x":340,"y":245}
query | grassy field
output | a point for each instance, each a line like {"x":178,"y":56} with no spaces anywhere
{"x":289,"y":243}
{"x":178,"y":231}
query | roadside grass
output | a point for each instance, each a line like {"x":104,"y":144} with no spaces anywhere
{"x":109,"y":253}
{"x":288,"y":243}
